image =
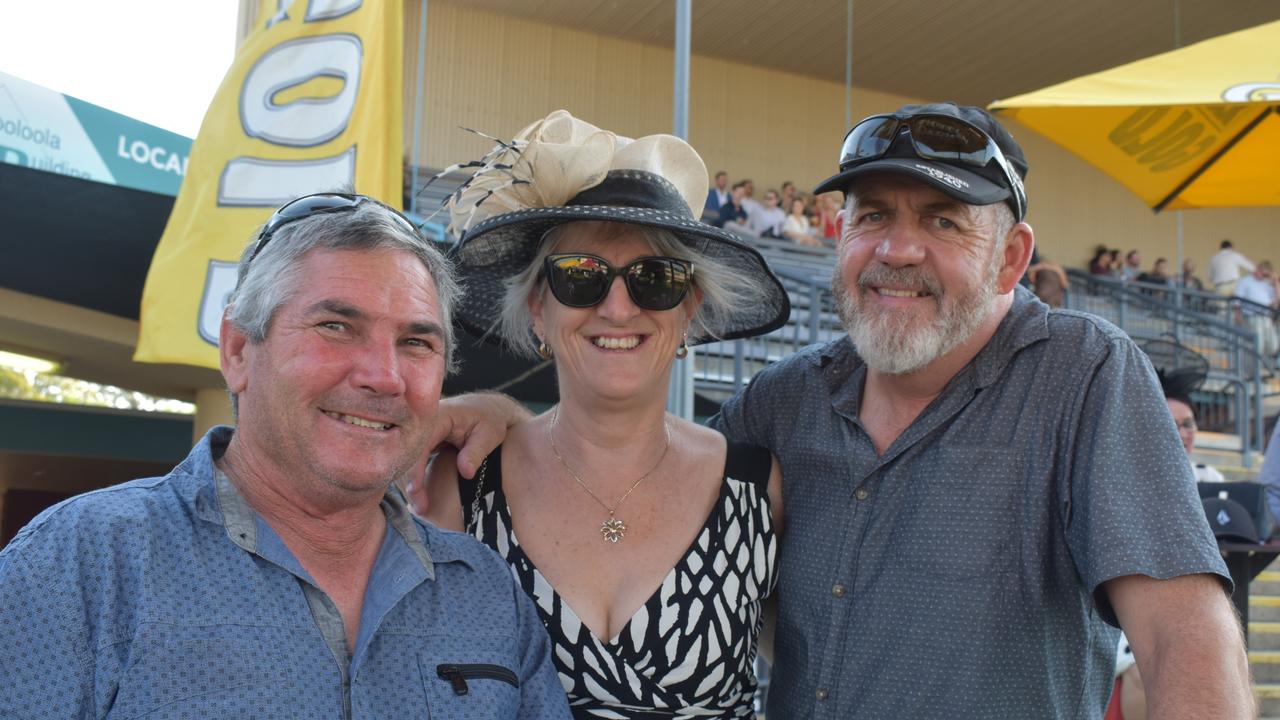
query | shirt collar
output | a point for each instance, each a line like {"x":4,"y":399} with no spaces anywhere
{"x":1026,"y":323}
{"x":220,"y":502}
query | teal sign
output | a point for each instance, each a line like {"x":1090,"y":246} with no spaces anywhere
{"x":48,"y":131}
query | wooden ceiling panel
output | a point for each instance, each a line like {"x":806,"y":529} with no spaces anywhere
{"x":972,"y":51}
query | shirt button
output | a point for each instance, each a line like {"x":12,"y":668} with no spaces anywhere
{"x":821,"y":694}
{"x":862,"y":493}
{"x":838,"y":590}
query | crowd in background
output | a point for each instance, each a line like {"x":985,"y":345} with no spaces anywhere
{"x":1230,"y":274}
{"x":785,"y":214}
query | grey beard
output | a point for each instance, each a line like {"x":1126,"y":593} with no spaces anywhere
{"x":888,"y":343}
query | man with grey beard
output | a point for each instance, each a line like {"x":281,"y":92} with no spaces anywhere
{"x":979,"y":490}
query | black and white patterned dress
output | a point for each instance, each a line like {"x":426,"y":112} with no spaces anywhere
{"x":689,"y":651}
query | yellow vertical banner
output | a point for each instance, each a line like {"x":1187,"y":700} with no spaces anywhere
{"x":312,"y":102}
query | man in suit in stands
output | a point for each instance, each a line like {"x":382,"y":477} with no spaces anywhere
{"x":717,"y":197}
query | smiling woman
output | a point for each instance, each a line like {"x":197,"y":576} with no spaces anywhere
{"x":617,"y":518}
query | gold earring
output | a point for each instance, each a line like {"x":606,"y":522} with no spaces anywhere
{"x":544,"y":351}
{"x":683,"y":351}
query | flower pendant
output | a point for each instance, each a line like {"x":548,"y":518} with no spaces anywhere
{"x":613,"y":529}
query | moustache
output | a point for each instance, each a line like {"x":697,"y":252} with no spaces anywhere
{"x":391,"y":410}
{"x":912,"y":277}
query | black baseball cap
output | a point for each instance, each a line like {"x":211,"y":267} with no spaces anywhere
{"x":1229,"y":520}
{"x":959,"y":178}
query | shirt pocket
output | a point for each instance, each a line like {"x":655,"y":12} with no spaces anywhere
{"x":964,"y":510}
{"x":469,"y":679}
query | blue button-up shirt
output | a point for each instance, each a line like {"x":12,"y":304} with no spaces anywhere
{"x":170,"y":597}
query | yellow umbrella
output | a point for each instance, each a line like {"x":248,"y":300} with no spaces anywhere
{"x":1195,"y":127}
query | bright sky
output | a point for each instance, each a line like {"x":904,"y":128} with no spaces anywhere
{"x":159,"y":61}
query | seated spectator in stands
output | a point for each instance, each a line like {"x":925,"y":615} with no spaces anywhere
{"x":1101,"y":262}
{"x":813,"y":212}
{"x":796,"y":226}
{"x":788,"y":194}
{"x":1158,"y":274}
{"x":1049,"y":282}
{"x":829,"y":218}
{"x":733,"y":214}
{"x":749,"y":195}
{"x":1177,"y":395}
{"x":1132,"y":266}
{"x":1225,"y":267}
{"x":1261,"y":288}
{"x":1189,"y":279}
{"x":1117,"y":267}
{"x":717,"y":197}
{"x":766,"y":220}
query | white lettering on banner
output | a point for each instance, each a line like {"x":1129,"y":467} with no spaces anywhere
{"x":304,"y":122}
{"x":329,"y":9}
{"x":255,"y":182}
{"x":1253,"y":92}
{"x":219,"y":283}
{"x":157,"y":157}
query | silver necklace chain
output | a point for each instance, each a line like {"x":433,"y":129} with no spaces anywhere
{"x":613,"y":529}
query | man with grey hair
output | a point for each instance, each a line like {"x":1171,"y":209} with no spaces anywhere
{"x":976,"y":498}
{"x":277,"y":571}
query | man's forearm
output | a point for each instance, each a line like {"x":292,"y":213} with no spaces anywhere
{"x":1187,"y":641}
{"x":1200,"y":674}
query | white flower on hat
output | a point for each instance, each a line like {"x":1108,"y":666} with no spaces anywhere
{"x":551,"y":161}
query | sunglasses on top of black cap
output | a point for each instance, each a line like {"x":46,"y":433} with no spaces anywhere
{"x":318,"y":204}
{"x":939,"y":138}
{"x":581,"y":280}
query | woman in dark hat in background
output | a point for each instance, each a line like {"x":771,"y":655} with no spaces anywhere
{"x":647,"y":542}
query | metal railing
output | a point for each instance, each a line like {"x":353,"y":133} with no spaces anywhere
{"x":1229,"y":310}
{"x":723,"y":368}
{"x":1203,"y":322}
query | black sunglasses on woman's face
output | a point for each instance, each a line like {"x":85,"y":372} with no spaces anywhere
{"x":582,"y":280}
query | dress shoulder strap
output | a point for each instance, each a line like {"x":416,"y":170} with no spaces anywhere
{"x":748,"y":463}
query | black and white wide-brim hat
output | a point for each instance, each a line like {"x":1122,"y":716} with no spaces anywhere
{"x":561,"y":169}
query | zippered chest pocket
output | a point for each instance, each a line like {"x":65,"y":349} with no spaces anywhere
{"x":469,"y":683}
{"x":458,"y":675}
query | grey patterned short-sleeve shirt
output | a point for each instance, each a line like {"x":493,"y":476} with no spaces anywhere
{"x":958,"y":575}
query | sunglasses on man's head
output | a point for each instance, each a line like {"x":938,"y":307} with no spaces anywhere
{"x":933,"y":137}
{"x":317,"y":204}
{"x":654,"y":283}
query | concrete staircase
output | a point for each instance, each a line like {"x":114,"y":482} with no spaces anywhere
{"x":1264,"y":641}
